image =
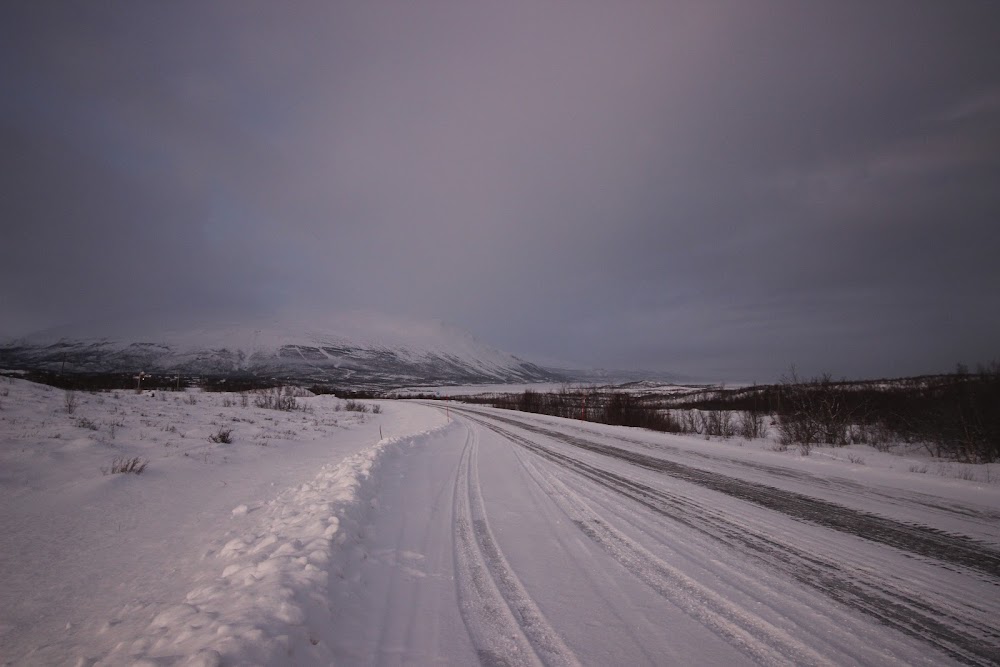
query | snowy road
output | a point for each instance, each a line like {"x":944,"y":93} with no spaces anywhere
{"x":516,"y":539}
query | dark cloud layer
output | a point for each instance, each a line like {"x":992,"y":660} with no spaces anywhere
{"x":716,"y":188}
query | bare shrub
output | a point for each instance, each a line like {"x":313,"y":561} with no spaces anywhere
{"x":275,"y":399}
{"x":70,"y":401}
{"x":751,"y":425}
{"x":123,"y":464}
{"x":808,"y":414}
{"x":223,"y":435}
{"x":874,"y":433}
{"x":691,"y":422}
{"x":192,"y":399}
{"x":376,"y":409}
{"x":355,"y":406}
{"x":921,"y":468}
{"x":960,"y":418}
{"x":114,"y":425}
{"x":855,"y":459}
{"x":623,"y":409}
{"x":83,"y":422}
{"x":718,"y":423}
{"x":967,"y":474}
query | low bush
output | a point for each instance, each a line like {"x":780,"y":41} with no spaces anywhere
{"x":89,"y":424}
{"x":276,"y":399}
{"x":223,"y":435}
{"x":123,"y":464}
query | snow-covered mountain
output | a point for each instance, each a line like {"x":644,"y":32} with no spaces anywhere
{"x":361,"y":349}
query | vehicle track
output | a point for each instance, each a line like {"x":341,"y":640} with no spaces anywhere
{"x":758,"y":639}
{"x":505,"y":625}
{"x":950,"y":630}
{"x":898,"y":497}
{"x":916,"y":539}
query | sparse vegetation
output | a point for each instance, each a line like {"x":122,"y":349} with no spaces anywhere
{"x":355,"y":406}
{"x":751,"y":425}
{"x":276,"y":398}
{"x":718,"y":423}
{"x":954,"y":416}
{"x":223,"y":435}
{"x":124,"y":464}
{"x":70,"y":401}
{"x":114,"y":425}
{"x":86,"y":423}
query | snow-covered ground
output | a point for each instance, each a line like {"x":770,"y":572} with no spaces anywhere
{"x":472,"y":535}
{"x":445,"y":391}
{"x":638,"y":388}
{"x":214,"y":550}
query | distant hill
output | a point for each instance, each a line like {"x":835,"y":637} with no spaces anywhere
{"x":357,"y":349}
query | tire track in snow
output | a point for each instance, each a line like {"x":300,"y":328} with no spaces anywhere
{"x":917,"y":539}
{"x":897,"y":497}
{"x":505,"y":625}
{"x":949,"y":630}
{"x":756,"y":638}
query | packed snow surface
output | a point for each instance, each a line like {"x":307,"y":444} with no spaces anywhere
{"x":463,"y":535}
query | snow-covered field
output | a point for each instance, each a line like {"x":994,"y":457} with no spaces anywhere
{"x":214,"y":550}
{"x":465,"y":535}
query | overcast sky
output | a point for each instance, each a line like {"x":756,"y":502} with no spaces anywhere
{"x":720,"y":189}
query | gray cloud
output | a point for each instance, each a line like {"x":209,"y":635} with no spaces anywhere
{"x":721,"y":189}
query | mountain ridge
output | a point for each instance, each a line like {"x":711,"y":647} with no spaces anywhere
{"x":361,"y":349}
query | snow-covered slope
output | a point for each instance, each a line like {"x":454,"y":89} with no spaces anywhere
{"x":362,"y":349}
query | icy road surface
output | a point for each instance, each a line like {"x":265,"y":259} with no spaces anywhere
{"x":513,"y":539}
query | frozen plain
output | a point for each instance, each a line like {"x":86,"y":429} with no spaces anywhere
{"x":472,"y":536}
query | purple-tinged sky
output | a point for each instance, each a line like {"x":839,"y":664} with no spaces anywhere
{"x":720,"y":189}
